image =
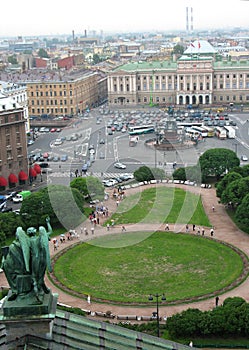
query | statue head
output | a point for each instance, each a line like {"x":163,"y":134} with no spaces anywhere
{"x":31,"y":231}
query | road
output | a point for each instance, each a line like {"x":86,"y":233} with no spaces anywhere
{"x":116,"y":148}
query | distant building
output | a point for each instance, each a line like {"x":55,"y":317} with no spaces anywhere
{"x":199,"y":77}
{"x":61,"y":95}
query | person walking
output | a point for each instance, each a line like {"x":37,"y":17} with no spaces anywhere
{"x":108,"y":227}
{"x":193,"y":227}
{"x":167,"y":227}
{"x":187,"y":228}
{"x":212,"y":232}
{"x":123,"y":228}
{"x":92,"y":230}
{"x":202,"y":231}
{"x":85,"y":230}
{"x":217,"y":301}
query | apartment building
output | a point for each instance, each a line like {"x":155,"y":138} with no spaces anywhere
{"x":13,"y":142}
{"x":196,"y":78}
{"x":62,"y":95}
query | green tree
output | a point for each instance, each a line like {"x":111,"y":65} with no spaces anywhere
{"x":242,"y":170}
{"x":143,"y":173}
{"x":8,"y":224}
{"x":96,"y":58}
{"x":225,"y":181}
{"x":216,"y":162}
{"x":242,"y":211}
{"x":178,"y":49}
{"x":62,"y":204}
{"x":235,"y":191}
{"x":43,"y":53}
{"x":90,"y":187}
{"x":179,"y":174}
{"x":12,"y":59}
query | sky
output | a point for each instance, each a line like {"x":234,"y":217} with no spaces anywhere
{"x":53,"y":17}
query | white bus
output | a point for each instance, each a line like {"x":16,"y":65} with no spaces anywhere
{"x":220,"y":133}
{"x":230,"y":131}
{"x":141,"y":129}
{"x":203,"y":132}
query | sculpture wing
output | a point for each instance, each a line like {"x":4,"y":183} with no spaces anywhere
{"x":44,"y":237}
{"x":25,"y":246}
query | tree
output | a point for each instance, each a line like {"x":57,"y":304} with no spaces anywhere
{"x":242,"y":211}
{"x":62,"y":204}
{"x":225,"y":181}
{"x":43,"y":53}
{"x":179,"y":174}
{"x":178,"y":49}
{"x":96,"y":58}
{"x":217,"y":161}
{"x":143,"y":173}
{"x":12,"y":59}
{"x":235,"y":191}
{"x":90,"y":187}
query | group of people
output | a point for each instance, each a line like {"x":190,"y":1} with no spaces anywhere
{"x":199,"y":230}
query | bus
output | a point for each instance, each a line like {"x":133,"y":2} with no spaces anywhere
{"x":221,"y":133}
{"x":141,"y":129}
{"x":210,"y":131}
{"x":202,"y":131}
{"x":192,"y":133}
{"x":230,"y":131}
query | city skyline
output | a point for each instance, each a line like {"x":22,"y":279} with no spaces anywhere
{"x":54,"y":17}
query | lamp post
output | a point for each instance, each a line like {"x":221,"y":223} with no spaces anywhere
{"x":163,"y":298}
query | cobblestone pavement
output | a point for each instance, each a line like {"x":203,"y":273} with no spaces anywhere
{"x":224,"y":228}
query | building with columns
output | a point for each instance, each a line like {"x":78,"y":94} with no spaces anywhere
{"x":198,"y":77}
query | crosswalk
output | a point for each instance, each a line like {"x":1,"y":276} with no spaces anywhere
{"x":100,"y":175}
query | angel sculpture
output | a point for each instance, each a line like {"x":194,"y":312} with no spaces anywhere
{"x":25,"y":262}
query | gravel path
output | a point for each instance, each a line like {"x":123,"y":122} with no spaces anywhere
{"x":224,"y":228}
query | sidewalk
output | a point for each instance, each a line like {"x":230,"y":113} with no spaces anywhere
{"x":225,"y":230}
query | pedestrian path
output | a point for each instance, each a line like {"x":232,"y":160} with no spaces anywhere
{"x":225,"y":230}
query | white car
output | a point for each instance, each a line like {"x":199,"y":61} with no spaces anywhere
{"x":120,"y":165}
{"x":244,"y":158}
{"x":110,"y":183}
{"x":58,"y":142}
{"x":18,"y":198}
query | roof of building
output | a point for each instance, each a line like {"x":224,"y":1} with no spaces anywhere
{"x":144,"y":65}
{"x":200,"y":47}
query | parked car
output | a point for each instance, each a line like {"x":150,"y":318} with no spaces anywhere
{"x":18,"y":198}
{"x":6,"y":210}
{"x":244,"y":158}
{"x":119,"y":165}
{"x":58,"y":142}
{"x":64,"y":158}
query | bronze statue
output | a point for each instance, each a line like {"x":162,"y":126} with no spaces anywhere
{"x":25,"y":262}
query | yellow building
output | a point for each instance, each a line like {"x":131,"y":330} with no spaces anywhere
{"x":66,"y":95}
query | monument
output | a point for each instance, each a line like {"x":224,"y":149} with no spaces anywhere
{"x":29,"y":306}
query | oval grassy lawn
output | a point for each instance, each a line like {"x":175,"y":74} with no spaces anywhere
{"x":179,"y":265}
{"x":161,"y":204}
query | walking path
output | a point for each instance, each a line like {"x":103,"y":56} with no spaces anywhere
{"x":225,"y":230}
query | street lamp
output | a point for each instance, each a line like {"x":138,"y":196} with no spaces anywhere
{"x":163,"y":298}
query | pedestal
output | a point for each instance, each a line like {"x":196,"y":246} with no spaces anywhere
{"x":21,"y":320}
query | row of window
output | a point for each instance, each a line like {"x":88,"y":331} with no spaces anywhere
{"x":171,"y":99}
{"x":50,"y":93}
{"x":200,"y":76}
{"x":50,"y":102}
{"x":53,"y":111}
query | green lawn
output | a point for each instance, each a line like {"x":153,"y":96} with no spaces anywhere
{"x":182,"y":266}
{"x":160,"y":205}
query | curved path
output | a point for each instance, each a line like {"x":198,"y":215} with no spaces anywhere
{"x":224,"y":229}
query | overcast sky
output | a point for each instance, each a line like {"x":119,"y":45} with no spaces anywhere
{"x":29,"y":17}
